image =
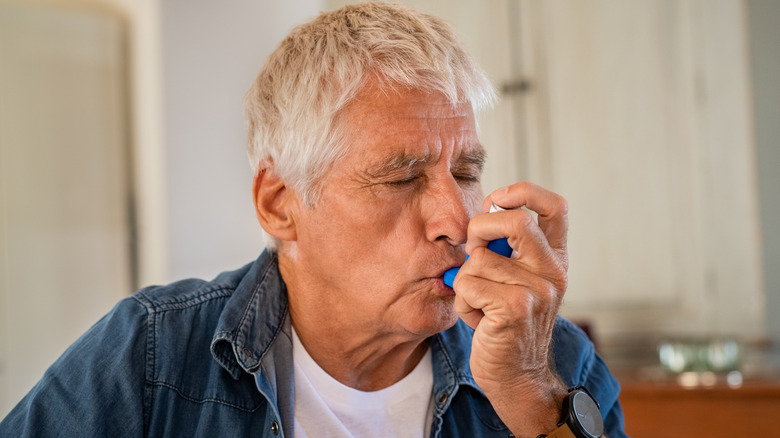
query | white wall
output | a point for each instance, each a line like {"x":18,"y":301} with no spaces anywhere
{"x":211,"y":53}
{"x":64,"y":253}
{"x":765,"y":62}
{"x":188,"y":65}
{"x":635,"y":110}
{"x":144,"y":86}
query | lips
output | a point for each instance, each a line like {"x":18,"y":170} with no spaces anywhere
{"x":447,"y":276}
{"x":442,"y":289}
{"x":454,"y":266}
{"x":443,"y":264}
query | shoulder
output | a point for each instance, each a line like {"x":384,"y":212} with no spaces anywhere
{"x":153,"y":323}
{"x":189,"y":293}
{"x":149,"y":356}
{"x":142,"y":316}
{"x":179,"y":326}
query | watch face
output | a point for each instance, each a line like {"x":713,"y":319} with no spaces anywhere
{"x":587,"y":414}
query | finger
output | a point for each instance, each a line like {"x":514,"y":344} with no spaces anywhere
{"x":478,"y":298}
{"x":523,"y":233}
{"x":533,"y":274}
{"x":468,"y":314}
{"x":473,"y":299}
{"x":490,"y":226}
{"x":551,"y":208}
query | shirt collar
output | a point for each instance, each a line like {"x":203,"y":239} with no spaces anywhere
{"x":252,"y":319}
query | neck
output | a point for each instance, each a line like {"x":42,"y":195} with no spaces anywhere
{"x":351,"y":350}
{"x":364,"y":366}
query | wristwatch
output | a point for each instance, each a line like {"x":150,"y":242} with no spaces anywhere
{"x":580,"y":418}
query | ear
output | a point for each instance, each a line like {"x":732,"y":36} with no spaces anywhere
{"x":274,"y":204}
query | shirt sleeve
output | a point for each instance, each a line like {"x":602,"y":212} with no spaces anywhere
{"x":96,"y":388}
{"x":578,"y":364}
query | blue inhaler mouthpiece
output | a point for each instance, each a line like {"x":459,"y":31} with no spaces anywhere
{"x":498,"y":246}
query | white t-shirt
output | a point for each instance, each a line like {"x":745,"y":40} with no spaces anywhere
{"x":324,"y":407}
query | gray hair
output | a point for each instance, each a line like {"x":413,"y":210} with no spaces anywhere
{"x":320,"y":66}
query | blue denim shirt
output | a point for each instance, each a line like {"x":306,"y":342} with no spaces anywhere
{"x":208,"y":359}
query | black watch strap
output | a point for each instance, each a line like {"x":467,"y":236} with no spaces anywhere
{"x":562,"y":431}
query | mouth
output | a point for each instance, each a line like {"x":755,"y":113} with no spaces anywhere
{"x":440,"y":288}
{"x":440,"y":284}
{"x":449,"y":268}
{"x":439,"y":272}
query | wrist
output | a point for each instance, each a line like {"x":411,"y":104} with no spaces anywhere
{"x":527,"y":407}
{"x":580,"y":416}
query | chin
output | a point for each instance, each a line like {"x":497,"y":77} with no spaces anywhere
{"x":436,"y":318}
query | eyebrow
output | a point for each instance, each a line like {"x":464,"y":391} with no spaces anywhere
{"x":397,"y":162}
{"x":475,"y":157}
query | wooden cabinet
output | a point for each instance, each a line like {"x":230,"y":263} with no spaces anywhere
{"x":668,"y":410}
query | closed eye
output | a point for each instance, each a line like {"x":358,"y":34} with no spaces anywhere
{"x":466,"y":178}
{"x":404,"y":182}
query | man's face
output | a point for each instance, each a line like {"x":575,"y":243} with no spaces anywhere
{"x":393,"y":215}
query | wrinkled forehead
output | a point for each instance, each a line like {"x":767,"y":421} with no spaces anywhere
{"x":405,"y":129}
{"x":403,"y":119}
{"x":379,"y":97}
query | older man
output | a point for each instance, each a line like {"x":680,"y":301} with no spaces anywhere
{"x":367,"y":181}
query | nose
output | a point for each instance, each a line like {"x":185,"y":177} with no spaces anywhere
{"x":447,"y":212}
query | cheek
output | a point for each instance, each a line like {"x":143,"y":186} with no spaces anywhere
{"x":353,"y":231}
{"x":323,"y":232}
{"x":473,"y":197}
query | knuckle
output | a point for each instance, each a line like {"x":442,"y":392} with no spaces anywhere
{"x":522,"y":219}
{"x":523,"y":186}
{"x":459,"y":305}
{"x":523,"y":302}
{"x":563,"y":283}
{"x":545,"y":294}
{"x":504,"y":326}
{"x":562,"y":205}
{"x":555,"y":289}
{"x":460,"y":283}
{"x":472,"y":227}
{"x":561,"y":272}
{"x":558,"y":272}
{"x":550,"y":294}
{"x":477,"y":256}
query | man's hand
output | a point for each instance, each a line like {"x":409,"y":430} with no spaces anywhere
{"x":512,"y":303}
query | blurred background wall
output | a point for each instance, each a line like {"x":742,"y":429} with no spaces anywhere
{"x":658,"y":120}
{"x":122,"y":157}
{"x":765,"y":68}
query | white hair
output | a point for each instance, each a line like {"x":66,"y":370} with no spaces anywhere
{"x":320,"y":66}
